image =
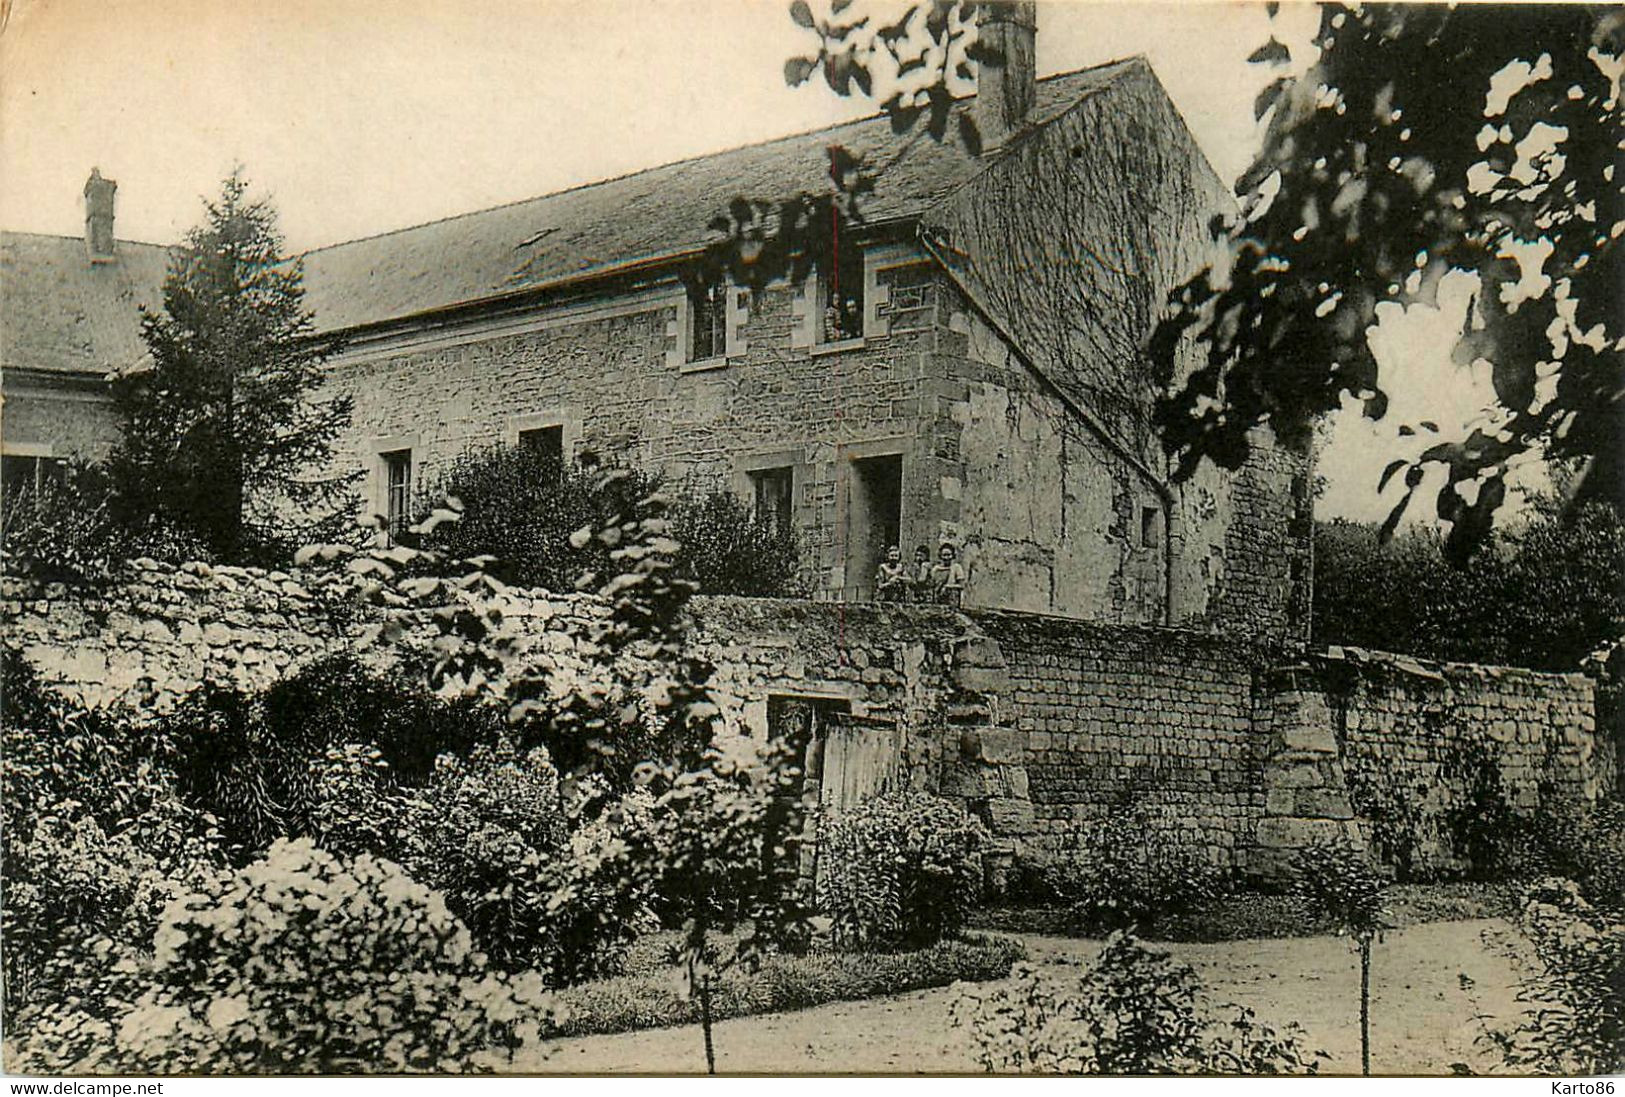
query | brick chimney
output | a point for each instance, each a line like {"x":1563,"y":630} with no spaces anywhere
{"x":99,"y":194}
{"x":1007,"y":83}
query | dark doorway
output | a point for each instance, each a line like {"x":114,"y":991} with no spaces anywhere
{"x":874,"y":519}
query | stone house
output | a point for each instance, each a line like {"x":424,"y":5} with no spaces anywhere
{"x":972,"y":371}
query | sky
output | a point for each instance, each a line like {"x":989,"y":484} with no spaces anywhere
{"x":362,"y":116}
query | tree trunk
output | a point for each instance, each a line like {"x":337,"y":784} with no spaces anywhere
{"x":705,"y":1023}
{"x":1365,"y":1008}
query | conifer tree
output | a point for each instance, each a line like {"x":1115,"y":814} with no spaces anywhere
{"x":225,"y":436}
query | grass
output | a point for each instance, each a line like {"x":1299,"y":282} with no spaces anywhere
{"x":650,"y":995}
{"x":1254,"y":915}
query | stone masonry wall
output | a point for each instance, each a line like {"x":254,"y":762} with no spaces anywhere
{"x":1034,"y":723}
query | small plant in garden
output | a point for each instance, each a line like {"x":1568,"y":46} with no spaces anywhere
{"x":1574,"y":1020}
{"x":899,"y":871}
{"x":1128,"y":866}
{"x":1131,"y":1010}
{"x":300,"y":963}
{"x":1338,"y":882}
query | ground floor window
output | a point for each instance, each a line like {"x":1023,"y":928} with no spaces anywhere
{"x":772,"y":495}
{"x":29,"y":474}
{"x":546,"y":443}
{"x":397,"y":491}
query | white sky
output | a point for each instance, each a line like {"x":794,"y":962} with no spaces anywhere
{"x":361,"y":116}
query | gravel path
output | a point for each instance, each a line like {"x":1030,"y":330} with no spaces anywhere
{"x":1422,"y":1021}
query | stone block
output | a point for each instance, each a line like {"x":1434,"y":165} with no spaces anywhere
{"x":1008,"y":816}
{"x":982,"y":679}
{"x":1315,"y":740}
{"x":1002,"y":745}
{"x":1293,"y":832}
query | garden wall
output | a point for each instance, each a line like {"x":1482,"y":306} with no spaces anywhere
{"x":1036,"y":723}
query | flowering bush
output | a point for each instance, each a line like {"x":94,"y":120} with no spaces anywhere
{"x":301,"y":963}
{"x":900,"y":870}
{"x":1130,"y":1010}
{"x":483,"y":831}
{"x":355,"y":807}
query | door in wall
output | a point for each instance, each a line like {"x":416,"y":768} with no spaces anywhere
{"x":874,"y":517}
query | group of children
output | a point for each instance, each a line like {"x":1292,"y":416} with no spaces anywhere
{"x":942,"y":582}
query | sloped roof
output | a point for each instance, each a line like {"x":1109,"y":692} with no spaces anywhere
{"x":658,"y":211}
{"x":63,"y":313}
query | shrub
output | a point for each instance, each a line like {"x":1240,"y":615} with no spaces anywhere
{"x":647,"y":996}
{"x":483,"y":831}
{"x":598,"y":901}
{"x":900,"y":870}
{"x":521,"y":506}
{"x":250,"y":759}
{"x":66,"y":532}
{"x":93,"y":834}
{"x":301,"y":963}
{"x":1576,"y":1025}
{"x":1132,"y":1010}
{"x":728,"y":549}
{"x":1128,"y":868}
{"x":356,"y":808}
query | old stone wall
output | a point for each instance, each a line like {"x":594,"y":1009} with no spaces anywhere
{"x":1035,"y":723}
{"x":1431,"y":750}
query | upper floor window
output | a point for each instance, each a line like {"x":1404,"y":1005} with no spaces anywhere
{"x":840,"y":296}
{"x":397,"y":491}
{"x":708,"y":322}
{"x":1150,"y":527}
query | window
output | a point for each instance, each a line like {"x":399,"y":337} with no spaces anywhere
{"x":397,"y":490}
{"x":709,"y":332}
{"x":545,"y":442}
{"x":840,"y":294}
{"x":1150,"y":527}
{"x":29,"y":474}
{"x":772,"y":494}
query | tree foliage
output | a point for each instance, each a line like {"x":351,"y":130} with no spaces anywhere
{"x":1544,"y":594}
{"x":223,"y":436}
{"x":1423,"y":140}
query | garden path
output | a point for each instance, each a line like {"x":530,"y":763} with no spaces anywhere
{"x":1422,"y":1018}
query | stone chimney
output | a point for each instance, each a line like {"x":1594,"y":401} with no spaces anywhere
{"x":1007,"y":83}
{"x":99,"y":194}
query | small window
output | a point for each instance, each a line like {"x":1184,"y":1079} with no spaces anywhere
{"x":840,"y":292}
{"x":709,"y":307}
{"x":19,"y":474}
{"x":1150,"y":527}
{"x":546,"y":443}
{"x":772,"y":495}
{"x":398,"y":491}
